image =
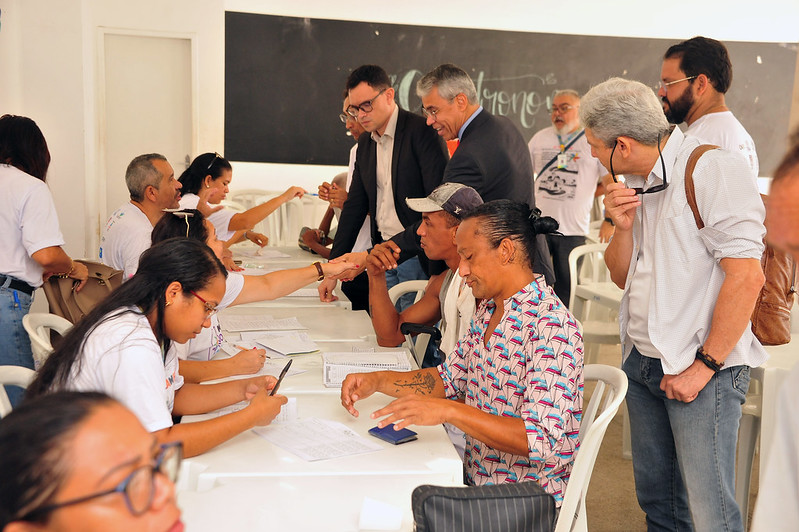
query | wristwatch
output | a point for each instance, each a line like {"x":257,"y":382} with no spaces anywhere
{"x":319,"y":271}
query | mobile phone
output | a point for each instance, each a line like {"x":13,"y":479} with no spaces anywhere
{"x":390,"y":435}
{"x":280,"y":379}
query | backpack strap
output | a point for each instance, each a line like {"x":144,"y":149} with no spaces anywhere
{"x":690,"y":191}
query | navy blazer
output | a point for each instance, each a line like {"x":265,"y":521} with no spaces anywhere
{"x":417,"y":167}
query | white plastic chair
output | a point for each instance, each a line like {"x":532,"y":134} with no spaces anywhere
{"x":249,"y":197}
{"x":12,"y":376}
{"x":611,"y":387}
{"x":601,"y":326}
{"x":38,"y":326}
{"x":419,"y":346}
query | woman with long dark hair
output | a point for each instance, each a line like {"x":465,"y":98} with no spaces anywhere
{"x":212,"y":171}
{"x":124,"y":347}
{"x":196,"y":354}
{"x":30,"y":237}
{"x":80,"y":461}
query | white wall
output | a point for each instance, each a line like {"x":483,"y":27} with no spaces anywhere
{"x":49,"y":50}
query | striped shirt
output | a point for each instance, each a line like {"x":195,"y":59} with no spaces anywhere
{"x":532,"y":369}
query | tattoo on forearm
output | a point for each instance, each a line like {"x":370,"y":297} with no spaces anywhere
{"x":421,"y":384}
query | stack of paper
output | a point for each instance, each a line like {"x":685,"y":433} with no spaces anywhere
{"x":339,"y":365}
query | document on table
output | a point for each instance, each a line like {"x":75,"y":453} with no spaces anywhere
{"x":288,"y":412}
{"x":240,"y":322}
{"x":339,"y":365}
{"x":315,"y":439}
{"x":288,"y":344}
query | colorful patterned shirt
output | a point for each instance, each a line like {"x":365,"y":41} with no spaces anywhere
{"x":532,"y":369}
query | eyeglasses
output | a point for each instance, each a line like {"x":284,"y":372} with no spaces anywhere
{"x":430,"y":111}
{"x":366,"y":106}
{"x":666,"y":84}
{"x":344,"y":117}
{"x":138,"y":488}
{"x":216,"y":156}
{"x":640,"y":190}
{"x":210,"y":308}
{"x":562,"y":109}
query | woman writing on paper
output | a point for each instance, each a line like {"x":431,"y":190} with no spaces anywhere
{"x":196,"y":354}
{"x":212,"y":171}
{"x":125,"y":348}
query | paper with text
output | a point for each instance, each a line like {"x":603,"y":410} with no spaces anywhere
{"x":315,"y":439}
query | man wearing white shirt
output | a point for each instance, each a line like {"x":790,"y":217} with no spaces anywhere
{"x":694,"y":77}
{"x":153,"y":188}
{"x":688,"y":295}
{"x":566,"y":182}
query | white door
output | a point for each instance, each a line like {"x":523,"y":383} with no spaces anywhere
{"x":148,"y":107}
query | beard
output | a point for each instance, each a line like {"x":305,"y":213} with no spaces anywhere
{"x":679,"y":108}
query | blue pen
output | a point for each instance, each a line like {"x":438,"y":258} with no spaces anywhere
{"x":16,"y":300}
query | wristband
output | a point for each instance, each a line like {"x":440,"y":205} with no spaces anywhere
{"x":610,"y":221}
{"x":708,"y":360}
{"x":319,"y":271}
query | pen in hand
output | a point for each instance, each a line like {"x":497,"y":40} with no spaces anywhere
{"x":280,"y":378}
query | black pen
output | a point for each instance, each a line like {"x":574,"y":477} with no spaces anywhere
{"x":280,"y":379}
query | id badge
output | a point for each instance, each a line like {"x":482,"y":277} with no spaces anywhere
{"x":563,"y":160}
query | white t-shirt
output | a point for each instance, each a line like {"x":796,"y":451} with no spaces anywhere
{"x":364,"y":240}
{"x":122,"y":358}
{"x":28,"y":223}
{"x":724,"y":130}
{"x":457,"y":309}
{"x":220,"y":218}
{"x":126,"y":236}
{"x":204,"y":346}
{"x":566,"y":194}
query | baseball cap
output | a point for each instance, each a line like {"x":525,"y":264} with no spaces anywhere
{"x":454,"y":198}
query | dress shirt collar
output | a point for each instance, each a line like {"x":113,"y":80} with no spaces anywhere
{"x":670,"y":152}
{"x":532,"y":292}
{"x":391,"y":128}
{"x":469,"y":121}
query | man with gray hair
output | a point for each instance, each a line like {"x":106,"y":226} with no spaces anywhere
{"x":152,"y":186}
{"x":688,"y":295}
{"x":491,"y":157}
{"x":567,"y":176}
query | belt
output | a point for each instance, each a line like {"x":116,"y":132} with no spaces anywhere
{"x":16,"y":284}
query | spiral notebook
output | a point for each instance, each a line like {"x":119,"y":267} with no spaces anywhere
{"x":339,"y":365}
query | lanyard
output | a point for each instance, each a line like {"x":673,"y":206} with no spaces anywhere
{"x":562,"y":150}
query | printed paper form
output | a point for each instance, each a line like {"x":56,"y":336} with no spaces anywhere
{"x":315,"y":439}
{"x":338,"y":365}
{"x":289,"y":344}
{"x":243,"y":322}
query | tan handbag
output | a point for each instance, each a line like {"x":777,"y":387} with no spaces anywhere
{"x":73,"y":306}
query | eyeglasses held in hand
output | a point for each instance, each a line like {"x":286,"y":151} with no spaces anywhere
{"x":640,"y":190}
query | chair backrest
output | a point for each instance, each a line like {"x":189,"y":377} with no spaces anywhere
{"x":15,"y":376}
{"x":249,"y":197}
{"x":592,"y":269}
{"x":38,"y":326}
{"x":419,"y":346}
{"x":611,"y":387}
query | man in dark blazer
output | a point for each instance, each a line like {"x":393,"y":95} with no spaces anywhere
{"x":398,"y":157}
{"x":491,"y":157}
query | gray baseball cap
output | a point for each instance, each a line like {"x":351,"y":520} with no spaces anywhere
{"x":454,"y":198}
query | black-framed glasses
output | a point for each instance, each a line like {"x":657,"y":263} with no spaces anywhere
{"x":210,"y":308}
{"x":366,"y":106}
{"x":216,"y":156}
{"x":666,"y":84}
{"x":562,"y":109}
{"x":138,"y":488}
{"x":640,"y":190}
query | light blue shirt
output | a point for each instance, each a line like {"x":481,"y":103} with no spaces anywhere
{"x":469,"y":121}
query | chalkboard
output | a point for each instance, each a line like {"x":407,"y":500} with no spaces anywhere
{"x":284,"y":78}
